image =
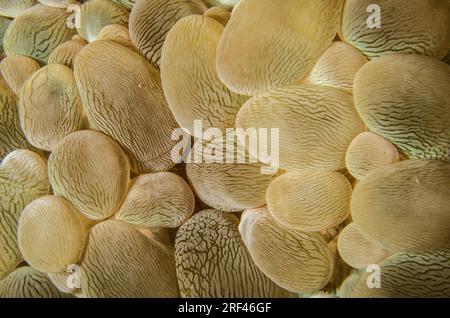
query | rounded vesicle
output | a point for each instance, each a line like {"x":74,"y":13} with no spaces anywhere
{"x":337,"y":67}
{"x":405,"y":206}
{"x":91,"y":171}
{"x":191,"y":85}
{"x":23,"y":178}
{"x":309,"y":201}
{"x":96,"y":14}
{"x":418,"y":27}
{"x":161,"y":199}
{"x":50,"y":107}
{"x":66,"y":53}
{"x":11,"y":134}
{"x":357,"y":251}
{"x":119,"y":261}
{"x":315,"y":124}
{"x":151,"y":20}
{"x":37,"y":31}
{"x":26,"y":282}
{"x":225,"y":177}
{"x":123,"y":98}
{"x":271,"y":44}
{"x":12,"y":8}
{"x":117,"y":33}
{"x":212,"y":260}
{"x":409,"y":275}
{"x":51,"y":234}
{"x":395,"y":102}
{"x":16,"y":69}
{"x":298,"y":261}
{"x":367,"y":152}
{"x":220,"y":14}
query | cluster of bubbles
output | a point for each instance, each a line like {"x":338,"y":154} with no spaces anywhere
{"x":87,"y":177}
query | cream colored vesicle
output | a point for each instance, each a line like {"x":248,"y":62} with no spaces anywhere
{"x":66,"y":53}
{"x":123,"y":98}
{"x":23,"y":178}
{"x":50,"y":107}
{"x":411,"y":113}
{"x":367,"y":152}
{"x":316,"y":124}
{"x":191,"y":85}
{"x":16,"y":69}
{"x":27,"y":282}
{"x":405,"y":206}
{"x":37,"y":31}
{"x":393,"y":26}
{"x":212,"y":260}
{"x":117,"y":33}
{"x":51,"y":234}
{"x":409,"y":275}
{"x":96,"y":14}
{"x":224,"y":149}
{"x":91,"y":171}
{"x":298,"y":261}
{"x":121,"y":262}
{"x":270,"y":44}
{"x":233,"y":185}
{"x":309,"y":201}
{"x":357,"y":251}
{"x":158,"y":200}
{"x":151,"y":20}
{"x":337,"y":67}
{"x":12,"y":8}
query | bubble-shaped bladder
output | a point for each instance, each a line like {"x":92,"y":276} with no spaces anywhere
{"x":393,"y":26}
{"x":405,"y":99}
{"x":421,"y":274}
{"x":191,"y":85}
{"x":160,"y":199}
{"x":23,"y":178}
{"x":212,"y":260}
{"x":233,"y":183}
{"x":16,"y":69}
{"x":298,"y":261}
{"x":50,"y":107}
{"x":367,"y":152}
{"x":357,"y":251}
{"x":123,"y":98}
{"x":119,"y":261}
{"x":91,"y":171}
{"x":405,"y":206}
{"x":151,"y":20}
{"x":271,"y":44}
{"x":337,"y":67}
{"x":96,"y":14}
{"x":309,"y":201}
{"x":66,"y":53}
{"x":316,"y":124}
{"x":51,"y":234}
{"x":37,"y":31}
{"x":27,"y":282}
{"x":12,"y":8}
